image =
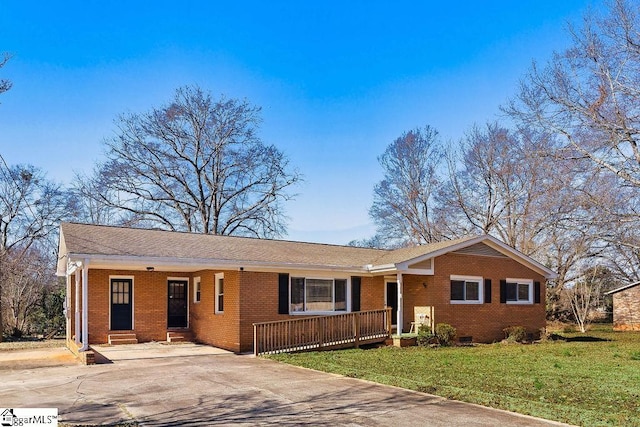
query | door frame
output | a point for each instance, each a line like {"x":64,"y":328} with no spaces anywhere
{"x":132,"y":296}
{"x":178,"y":279}
{"x":394,"y":319}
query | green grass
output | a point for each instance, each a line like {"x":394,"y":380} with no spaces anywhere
{"x":592,"y":379}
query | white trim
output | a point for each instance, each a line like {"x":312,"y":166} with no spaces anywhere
{"x":478,"y":279}
{"x":85,"y":306}
{"x":347,"y":279}
{"x":388,"y":280}
{"x":197,"y":286}
{"x":216,"y":293}
{"x":177,"y":279}
{"x":132,"y":278}
{"x":622,"y":288}
{"x":523,"y":282}
{"x":406,"y":269}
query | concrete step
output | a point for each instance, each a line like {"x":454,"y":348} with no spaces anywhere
{"x":123,"y":338}
{"x":179,"y":336}
{"x":118,"y":341}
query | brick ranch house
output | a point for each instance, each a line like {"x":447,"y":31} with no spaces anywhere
{"x":150,"y":282}
{"x":626,"y":307}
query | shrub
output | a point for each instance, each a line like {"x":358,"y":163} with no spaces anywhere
{"x":445,"y":334}
{"x":425,"y":336}
{"x":515,"y":333}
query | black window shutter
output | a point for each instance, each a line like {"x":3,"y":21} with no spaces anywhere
{"x":283,"y":293}
{"x":487,"y":290}
{"x":536,"y":292}
{"x":356,"y":281}
{"x":503,"y":291}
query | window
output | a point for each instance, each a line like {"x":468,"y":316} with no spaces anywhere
{"x":519,"y":291}
{"x":466,"y":290}
{"x":315,"y":295}
{"x":219,"y":302}
{"x":196,"y":289}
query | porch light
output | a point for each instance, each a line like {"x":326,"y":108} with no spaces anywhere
{"x":150,"y":268}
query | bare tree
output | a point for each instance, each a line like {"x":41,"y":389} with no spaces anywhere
{"x":5,"y":84}
{"x":588,"y":96}
{"x":586,"y":295}
{"x":27,"y":274}
{"x":195,"y":164}
{"x":31,"y":207}
{"x":402,"y":206}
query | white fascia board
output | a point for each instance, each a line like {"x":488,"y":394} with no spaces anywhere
{"x":622,"y":288}
{"x":61,"y":267}
{"x":380,"y":269}
{"x":489,"y":241}
{"x":195,"y":264}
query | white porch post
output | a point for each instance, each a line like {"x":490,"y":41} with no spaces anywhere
{"x":400,"y":304}
{"x":67,"y":307}
{"x":85,"y":305}
{"x":77,"y":306}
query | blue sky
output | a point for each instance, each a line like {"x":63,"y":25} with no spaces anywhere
{"x":337,"y":81}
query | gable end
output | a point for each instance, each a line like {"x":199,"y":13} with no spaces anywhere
{"x":480,"y":249}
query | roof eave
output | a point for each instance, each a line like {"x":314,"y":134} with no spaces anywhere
{"x":195,"y":264}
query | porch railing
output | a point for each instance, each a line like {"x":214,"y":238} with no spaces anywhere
{"x":322,"y":332}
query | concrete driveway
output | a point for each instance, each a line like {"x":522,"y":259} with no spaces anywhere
{"x":223,"y":389}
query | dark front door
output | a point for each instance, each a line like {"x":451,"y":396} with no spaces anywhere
{"x":121,"y":303}
{"x":177,"y":308}
{"x":392,"y":300}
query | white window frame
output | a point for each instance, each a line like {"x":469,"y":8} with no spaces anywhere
{"x":197,"y":288}
{"x":133,"y":306}
{"x":217,"y":278}
{"x":333,"y":299}
{"x":522,"y":282}
{"x":478,"y":279}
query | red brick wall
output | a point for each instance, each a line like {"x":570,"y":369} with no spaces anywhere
{"x":251,"y":297}
{"x":149,"y":303}
{"x":626,"y":310}
{"x":484,"y":322}
{"x":218,"y":329}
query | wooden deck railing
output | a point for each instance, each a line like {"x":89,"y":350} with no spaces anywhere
{"x":322,"y":332}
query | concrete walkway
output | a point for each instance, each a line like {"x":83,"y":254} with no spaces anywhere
{"x":224,"y":389}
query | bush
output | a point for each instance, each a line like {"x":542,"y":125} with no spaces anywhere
{"x":445,"y":334}
{"x":425,"y":336}
{"x":515,"y":333}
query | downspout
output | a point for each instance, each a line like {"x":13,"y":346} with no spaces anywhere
{"x":85,"y":305}
{"x":400,"y":304}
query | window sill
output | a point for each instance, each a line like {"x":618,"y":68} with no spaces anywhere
{"x":458,"y":302}
{"x":520,"y":302}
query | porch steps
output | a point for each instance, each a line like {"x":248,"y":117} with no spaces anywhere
{"x":179,"y":336}
{"x":122,"y":338}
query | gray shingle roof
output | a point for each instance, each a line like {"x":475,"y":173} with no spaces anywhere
{"x":134,"y":242}
{"x":140,"y":245}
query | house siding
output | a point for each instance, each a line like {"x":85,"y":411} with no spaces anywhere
{"x":483,"y":322}
{"x":626,"y":310}
{"x":251,"y":297}
{"x":208,"y":327}
{"x":149,"y":303}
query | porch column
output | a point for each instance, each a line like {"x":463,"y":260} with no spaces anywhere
{"x":400,"y":304}
{"x":67,"y":307}
{"x":85,"y":305}
{"x":77,"y":306}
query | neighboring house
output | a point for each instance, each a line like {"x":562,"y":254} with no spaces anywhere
{"x":626,"y":307}
{"x":150,"y":282}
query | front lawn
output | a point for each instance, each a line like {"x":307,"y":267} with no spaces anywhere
{"x":592,"y":379}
